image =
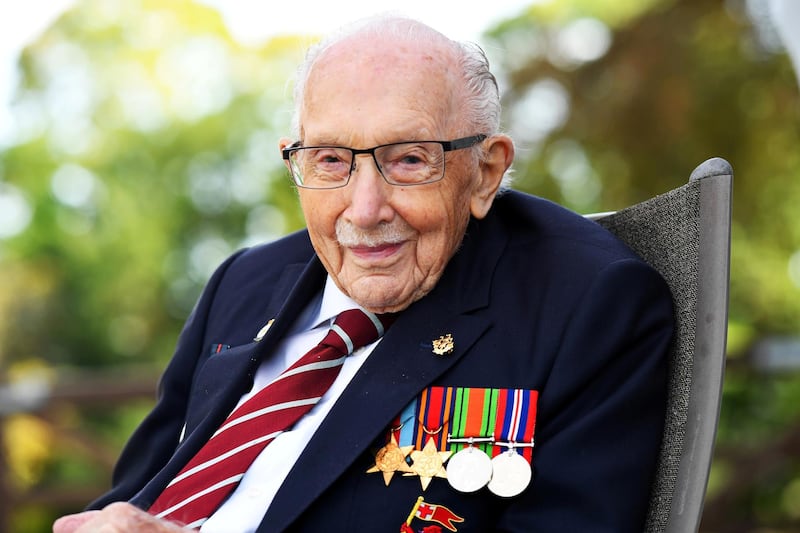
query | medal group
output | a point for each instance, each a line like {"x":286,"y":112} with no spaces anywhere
{"x":473,"y":437}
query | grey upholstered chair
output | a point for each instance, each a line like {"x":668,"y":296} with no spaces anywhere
{"x":685,"y":235}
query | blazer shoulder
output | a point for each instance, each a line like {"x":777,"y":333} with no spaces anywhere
{"x":542,"y":225}
{"x":252,"y":284}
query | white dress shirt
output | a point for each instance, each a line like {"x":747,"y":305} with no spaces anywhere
{"x":244,"y":509}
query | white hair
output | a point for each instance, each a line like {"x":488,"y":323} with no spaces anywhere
{"x":479,"y":92}
{"x":480,"y":87}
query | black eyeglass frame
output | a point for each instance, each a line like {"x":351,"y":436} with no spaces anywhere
{"x":447,"y":146}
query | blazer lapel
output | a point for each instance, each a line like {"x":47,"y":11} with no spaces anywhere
{"x":231,"y":372}
{"x":399,"y":368}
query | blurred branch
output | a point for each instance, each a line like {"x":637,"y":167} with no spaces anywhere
{"x":77,"y":387}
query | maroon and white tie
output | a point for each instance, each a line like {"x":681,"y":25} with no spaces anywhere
{"x":211,"y":475}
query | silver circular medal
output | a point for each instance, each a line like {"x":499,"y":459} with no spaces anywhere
{"x":469,"y":470}
{"x":511,"y":473}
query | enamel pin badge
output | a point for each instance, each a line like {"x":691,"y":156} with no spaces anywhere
{"x":431,"y":512}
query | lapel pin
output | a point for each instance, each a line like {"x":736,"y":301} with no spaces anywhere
{"x":263,"y":331}
{"x":431,"y":512}
{"x":444,"y":345}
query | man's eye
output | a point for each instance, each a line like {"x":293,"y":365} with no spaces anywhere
{"x":329,"y":158}
{"x":411,"y":159}
{"x":325,"y":155}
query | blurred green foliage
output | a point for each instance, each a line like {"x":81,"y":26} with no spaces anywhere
{"x":146,"y":152}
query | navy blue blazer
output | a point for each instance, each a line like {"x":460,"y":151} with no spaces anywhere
{"x":535,"y":298}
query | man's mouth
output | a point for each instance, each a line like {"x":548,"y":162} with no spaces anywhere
{"x":375,"y":252}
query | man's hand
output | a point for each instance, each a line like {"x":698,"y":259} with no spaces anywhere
{"x":116,"y":518}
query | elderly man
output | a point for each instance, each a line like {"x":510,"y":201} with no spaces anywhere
{"x":509,"y":322}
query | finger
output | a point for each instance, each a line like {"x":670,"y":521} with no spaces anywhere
{"x":70,"y":523}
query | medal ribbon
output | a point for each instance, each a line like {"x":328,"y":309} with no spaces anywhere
{"x":433,"y":417}
{"x":507,"y":414}
{"x":408,"y":422}
{"x":518,"y":422}
{"x":474,"y":416}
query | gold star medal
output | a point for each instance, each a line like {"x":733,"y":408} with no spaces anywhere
{"x":429,"y":463}
{"x":390,"y":459}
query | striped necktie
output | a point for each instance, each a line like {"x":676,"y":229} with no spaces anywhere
{"x":214,"y":472}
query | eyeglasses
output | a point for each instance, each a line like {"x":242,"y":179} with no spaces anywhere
{"x":402,"y":163}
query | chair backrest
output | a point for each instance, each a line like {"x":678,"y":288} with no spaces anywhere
{"x":685,"y":235}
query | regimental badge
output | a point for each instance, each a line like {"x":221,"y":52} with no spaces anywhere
{"x":444,"y":345}
{"x":390,"y":459}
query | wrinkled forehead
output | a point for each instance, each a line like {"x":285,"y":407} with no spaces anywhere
{"x":364,"y":68}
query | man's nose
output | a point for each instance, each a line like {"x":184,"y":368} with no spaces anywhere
{"x":369,"y":194}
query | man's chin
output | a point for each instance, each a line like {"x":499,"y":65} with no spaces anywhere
{"x":380,"y":295}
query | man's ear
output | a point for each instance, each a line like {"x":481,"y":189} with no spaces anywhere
{"x":283,"y":143}
{"x":498,"y":155}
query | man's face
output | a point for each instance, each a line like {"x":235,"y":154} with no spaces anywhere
{"x":384,"y":245}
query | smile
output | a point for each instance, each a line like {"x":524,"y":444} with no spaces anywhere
{"x":375,"y":253}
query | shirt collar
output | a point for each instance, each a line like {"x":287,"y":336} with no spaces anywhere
{"x":334,"y":301}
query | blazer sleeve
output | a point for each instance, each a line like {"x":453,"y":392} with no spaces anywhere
{"x":155,"y":440}
{"x":601,"y":411}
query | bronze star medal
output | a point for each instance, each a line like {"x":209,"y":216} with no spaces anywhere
{"x":429,"y":463}
{"x":390,"y":459}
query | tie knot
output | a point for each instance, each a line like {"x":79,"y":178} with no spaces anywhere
{"x":355,"y":328}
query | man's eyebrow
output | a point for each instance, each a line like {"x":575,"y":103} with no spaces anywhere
{"x":322,"y":141}
{"x":386,"y":137}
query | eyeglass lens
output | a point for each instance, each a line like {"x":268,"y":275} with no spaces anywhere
{"x":401,"y":164}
